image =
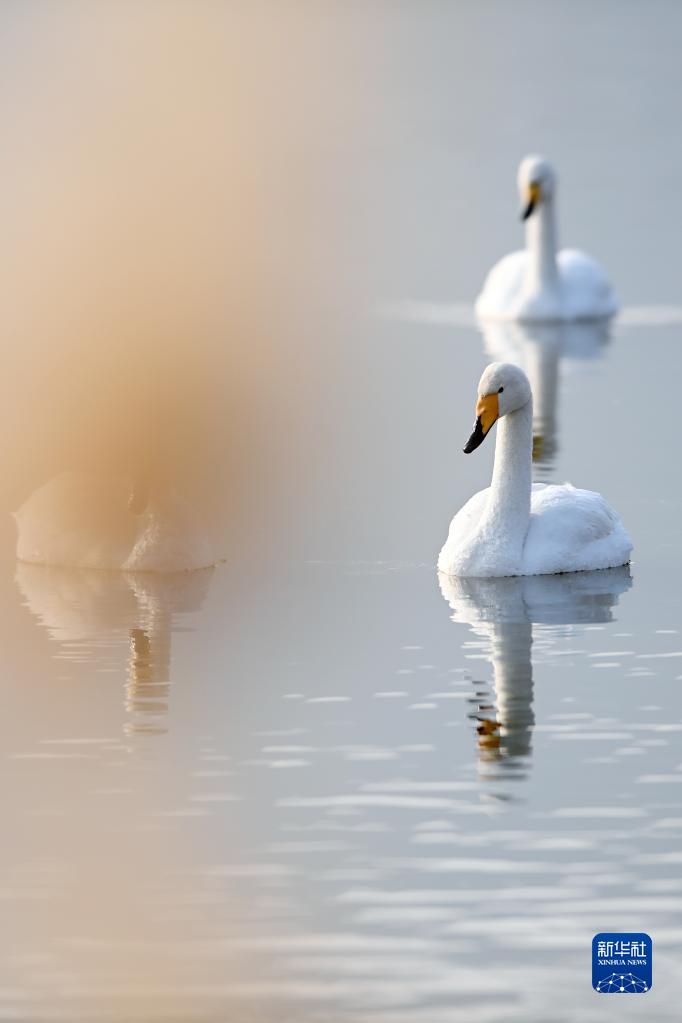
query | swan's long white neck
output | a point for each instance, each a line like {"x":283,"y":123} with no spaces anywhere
{"x":541,"y":244}
{"x":508,"y":510}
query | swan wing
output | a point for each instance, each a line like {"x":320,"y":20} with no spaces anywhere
{"x":587,"y":291}
{"x":573,"y":530}
{"x":454,"y":551}
{"x":502,"y":286}
{"x":76,"y":519}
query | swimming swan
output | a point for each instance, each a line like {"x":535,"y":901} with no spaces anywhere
{"x":84,"y":520}
{"x":539,"y":283}
{"x":514,"y":527}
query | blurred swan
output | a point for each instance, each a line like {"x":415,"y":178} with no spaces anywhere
{"x":85,"y":520}
{"x":503,"y":611}
{"x":540,"y":349}
{"x":513,"y":527}
{"x":92,"y":612}
{"x":539,"y":283}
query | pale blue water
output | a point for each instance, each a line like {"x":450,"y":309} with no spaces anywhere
{"x":310,"y":785}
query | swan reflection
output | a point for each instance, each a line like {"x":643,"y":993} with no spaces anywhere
{"x":92,"y":613}
{"x":503,"y":612}
{"x":539,"y":349}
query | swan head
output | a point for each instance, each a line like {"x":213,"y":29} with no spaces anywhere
{"x":536,"y":181}
{"x":503,"y":388}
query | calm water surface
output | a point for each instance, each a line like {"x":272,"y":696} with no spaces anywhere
{"x":336,"y":788}
{"x":321,"y":785}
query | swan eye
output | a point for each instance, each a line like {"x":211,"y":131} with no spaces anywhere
{"x":500,"y":390}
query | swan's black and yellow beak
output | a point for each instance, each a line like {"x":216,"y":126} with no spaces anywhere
{"x":533,"y":196}
{"x":487,"y":413}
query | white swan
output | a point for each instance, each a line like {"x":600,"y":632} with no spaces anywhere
{"x":83,"y":520}
{"x":539,"y":283}
{"x":514,"y":527}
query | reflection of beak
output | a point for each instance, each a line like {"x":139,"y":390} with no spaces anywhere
{"x":532,"y":199}
{"x":487,"y":413}
{"x":538,"y":447}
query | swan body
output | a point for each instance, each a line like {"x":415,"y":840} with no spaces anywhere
{"x":569,"y":530}
{"x":83,"y":520}
{"x":517,"y":528}
{"x":583,"y":290}
{"x":539,"y":282}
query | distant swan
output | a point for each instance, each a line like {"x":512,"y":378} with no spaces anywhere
{"x":539,"y":283}
{"x":514,"y":527}
{"x":84,"y":520}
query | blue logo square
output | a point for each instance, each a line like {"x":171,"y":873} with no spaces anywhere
{"x":621,"y":963}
